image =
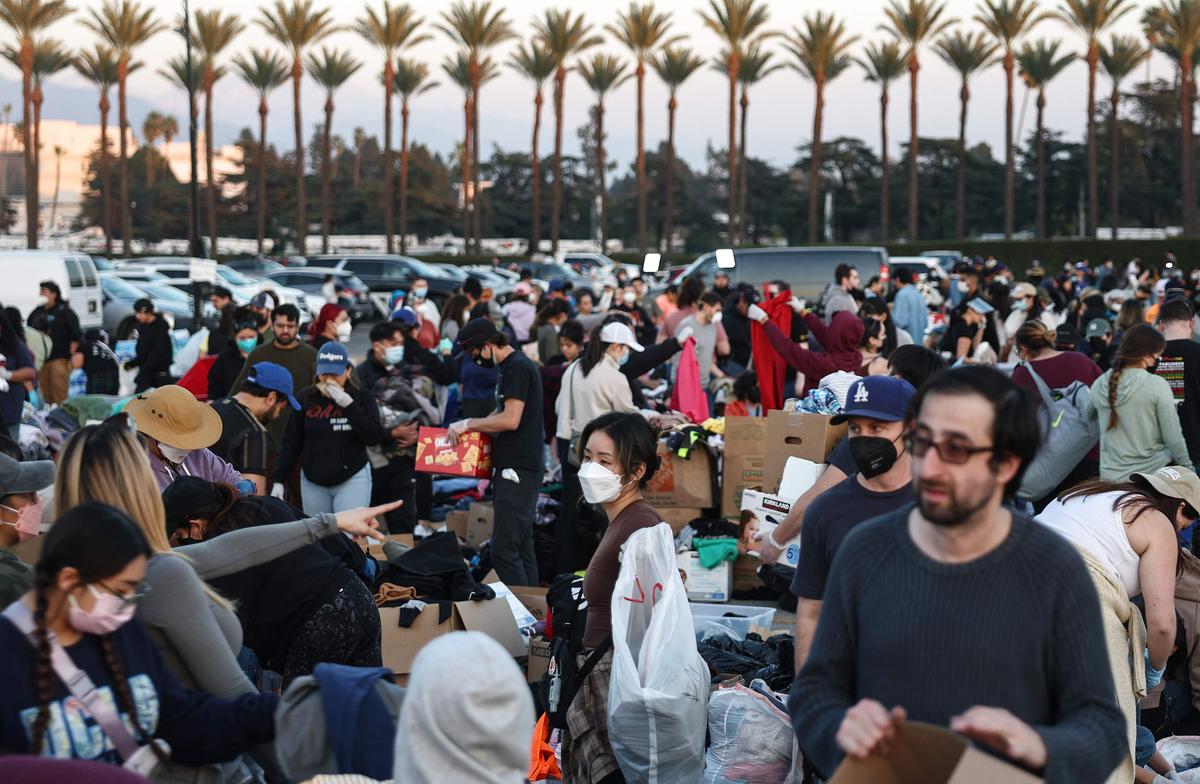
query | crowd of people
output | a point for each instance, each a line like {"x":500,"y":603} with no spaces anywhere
{"x":174,"y":559}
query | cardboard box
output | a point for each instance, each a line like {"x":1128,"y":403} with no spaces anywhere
{"x":534,"y":599}
{"x":494,"y":618}
{"x":376,"y":550}
{"x":470,"y":456}
{"x":796,"y":434}
{"x":705,"y":585}
{"x":742,"y":463}
{"x":456,"y":521}
{"x":681,"y":483}
{"x":925,"y":754}
{"x":678,"y":517}
{"x":745,"y":573}
{"x":762,"y":513}
{"x":539,"y":658}
{"x":481,"y":516}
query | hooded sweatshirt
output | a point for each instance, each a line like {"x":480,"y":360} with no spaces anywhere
{"x":456,"y":730}
{"x":837,"y":300}
{"x":1147,"y":436}
{"x":841,"y":339}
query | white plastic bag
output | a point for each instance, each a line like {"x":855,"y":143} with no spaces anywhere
{"x":658,"y":692}
{"x":751,"y":739}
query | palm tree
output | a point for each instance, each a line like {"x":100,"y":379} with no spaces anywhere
{"x":411,"y":79}
{"x":263,"y":70}
{"x":756,"y":66}
{"x":28,"y":18}
{"x":330,"y":69}
{"x":124,"y":25}
{"x":176,"y":72}
{"x":213,"y":33}
{"x":822,"y":52}
{"x":151,"y":133}
{"x":170,"y":129}
{"x":296,"y":27}
{"x":641,"y":30}
{"x":476,"y":28}
{"x":49,"y":57}
{"x":673,"y":65}
{"x":534,"y":63}
{"x":913,"y":22}
{"x":1040,"y":63}
{"x":966,"y":53}
{"x":1092,"y":18}
{"x":603,"y":74}
{"x":1179,"y":26}
{"x":59,"y":152}
{"x":563,"y":36}
{"x":1119,"y":59}
{"x":884,"y":64}
{"x":99,"y":66}
{"x":737,"y":23}
{"x":1007,"y":21}
{"x":458,"y":69}
{"x":392,"y":28}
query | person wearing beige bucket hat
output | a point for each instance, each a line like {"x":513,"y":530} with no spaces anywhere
{"x":177,"y":430}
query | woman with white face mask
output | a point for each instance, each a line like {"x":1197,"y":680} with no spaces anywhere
{"x":618,"y":459}
{"x":332,"y":323}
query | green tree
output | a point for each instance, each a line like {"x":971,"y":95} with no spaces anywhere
{"x":604,"y":73}
{"x":410,"y":80}
{"x":263,"y":71}
{"x":152,"y":131}
{"x":674,"y":65}
{"x":1040,"y":64}
{"x":330,"y":69}
{"x":1119,"y":59}
{"x":536,"y":64}
{"x":884,"y":64}
{"x":99,"y":66}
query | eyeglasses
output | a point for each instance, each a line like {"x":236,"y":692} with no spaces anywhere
{"x":133,"y":598}
{"x":947,"y":451}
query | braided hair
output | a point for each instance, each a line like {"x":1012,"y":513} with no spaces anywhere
{"x":97,"y":541}
{"x":1140,"y":341}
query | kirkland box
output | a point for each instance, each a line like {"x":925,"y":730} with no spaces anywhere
{"x":705,"y":585}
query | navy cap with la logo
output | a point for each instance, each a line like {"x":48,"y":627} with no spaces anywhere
{"x":885,"y":398}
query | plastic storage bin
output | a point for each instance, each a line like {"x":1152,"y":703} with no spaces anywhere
{"x":710,"y":620}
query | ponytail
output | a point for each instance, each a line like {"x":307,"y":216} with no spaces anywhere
{"x":1139,"y":342}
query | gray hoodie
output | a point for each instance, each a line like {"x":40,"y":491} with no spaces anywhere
{"x":1147,"y":436}
{"x":467,"y":717}
{"x":837,"y":299}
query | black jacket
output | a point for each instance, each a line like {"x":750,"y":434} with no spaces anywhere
{"x":329,"y":441}
{"x":154,"y":351}
{"x":224,"y":370}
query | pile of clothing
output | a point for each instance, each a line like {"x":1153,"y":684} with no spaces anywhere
{"x":771,"y":660}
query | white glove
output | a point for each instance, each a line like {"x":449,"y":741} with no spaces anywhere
{"x":683,"y":334}
{"x":797,"y":304}
{"x":277,"y":490}
{"x":5,"y":374}
{"x":338,"y":395}
{"x":757,"y":314}
{"x":3,"y":385}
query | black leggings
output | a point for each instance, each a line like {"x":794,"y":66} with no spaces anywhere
{"x":343,"y":630}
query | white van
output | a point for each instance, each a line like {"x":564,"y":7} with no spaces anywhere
{"x":75,"y":273}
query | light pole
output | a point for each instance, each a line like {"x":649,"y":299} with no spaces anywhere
{"x":193,"y":189}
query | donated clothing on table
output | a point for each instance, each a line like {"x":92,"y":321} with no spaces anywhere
{"x":200,"y":462}
{"x":100,"y":365}
{"x":12,"y":402}
{"x":515,"y":503}
{"x":329,"y":441}
{"x":714,"y":551}
{"x":1147,"y":436}
{"x":224,"y":372}
{"x":62,"y":325}
{"x":1180,"y":366}
{"x":244,"y":443}
{"x":436,"y":571}
{"x":601,"y":575}
{"x":910,"y":312}
{"x":1034,"y":644}
{"x":827,"y":521}
{"x":604,"y":390}
{"x":199,"y":727}
{"x":520,"y":448}
{"x":299,"y":358}
{"x":1091,"y":523}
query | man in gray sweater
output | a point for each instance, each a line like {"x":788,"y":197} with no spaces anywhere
{"x":838,"y":297}
{"x":961,"y":612}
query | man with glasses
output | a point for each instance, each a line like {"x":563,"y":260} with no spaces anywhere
{"x":286,"y":350}
{"x":960,"y":611}
{"x":875,"y":409}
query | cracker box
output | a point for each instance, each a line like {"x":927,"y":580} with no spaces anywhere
{"x":470,"y":456}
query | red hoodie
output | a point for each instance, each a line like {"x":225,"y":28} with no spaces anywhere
{"x":840,"y":339}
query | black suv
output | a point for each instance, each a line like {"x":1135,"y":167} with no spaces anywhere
{"x":383,"y":272}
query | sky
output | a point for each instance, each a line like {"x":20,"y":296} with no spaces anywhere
{"x":781,"y":106}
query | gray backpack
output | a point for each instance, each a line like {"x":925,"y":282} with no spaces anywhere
{"x":1068,"y":434}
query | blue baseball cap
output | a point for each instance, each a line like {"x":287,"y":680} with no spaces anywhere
{"x":405,"y":316}
{"x":275,"y":378}
{"x":332,"y":359}
{"x":885,"y":398}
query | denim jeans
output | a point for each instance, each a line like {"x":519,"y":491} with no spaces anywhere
{"x":351,"y":494}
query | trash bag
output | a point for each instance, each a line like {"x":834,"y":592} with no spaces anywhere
{"x":1182,"y":751}
{"x":658,"y":692}
{"x":751,"y":739}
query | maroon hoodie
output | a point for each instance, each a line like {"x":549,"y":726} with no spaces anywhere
{"x":841,"y":340}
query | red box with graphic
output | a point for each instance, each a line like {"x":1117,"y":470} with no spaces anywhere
{"x":470,"y":456}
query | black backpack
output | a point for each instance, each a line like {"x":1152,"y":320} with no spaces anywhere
{"x":558,"y":687}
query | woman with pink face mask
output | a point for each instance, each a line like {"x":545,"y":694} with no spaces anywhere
{"x":20,"y":515}
{"x":76,"y":626}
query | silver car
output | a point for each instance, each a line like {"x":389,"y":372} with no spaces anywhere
{"x":118,"y":296}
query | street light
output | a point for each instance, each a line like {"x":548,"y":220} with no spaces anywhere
{"x":193,"y":189}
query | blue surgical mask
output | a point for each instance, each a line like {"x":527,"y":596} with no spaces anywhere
{"x":420,"y":292}
{"x":624,"y":358}
{"x":394,"y":355}
{"x":246,"y":345}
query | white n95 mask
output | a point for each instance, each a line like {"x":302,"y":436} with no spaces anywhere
{"x":600,"y":485}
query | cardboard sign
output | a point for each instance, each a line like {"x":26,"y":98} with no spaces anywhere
{"x":470,"y":456}
{"x":796,"y":434}
{"x":481,"y":516}
{"x":705,"y":585}
{"x":742,"y":465}
{"x":681,"y":483}
{"x":925,"y":754}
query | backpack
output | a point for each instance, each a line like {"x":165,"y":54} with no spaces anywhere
{"x":566,"y":620}
{"x":1068,"y":433}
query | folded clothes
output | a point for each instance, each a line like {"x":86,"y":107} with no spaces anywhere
{"x":389,"y":593}
{"x":714,"y":551}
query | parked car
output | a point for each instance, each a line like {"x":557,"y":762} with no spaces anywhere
{"x":595,"y":265}
{"x":255,"y":267}
{"x":353,"y":293}
{"x":549,"y":270}
{"x":809,"y":271}
{"x":385,"y":273}
{"x":120,"y":294}
{"x":928,"y":276}
{"x":242,"y":288}
{"x":75,"y":274}
{"x":945,"y":258}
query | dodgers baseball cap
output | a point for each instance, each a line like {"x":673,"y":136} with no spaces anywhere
{"x":275,"y":378}
{"x":885,"y":398}
{"x":332,"y":359}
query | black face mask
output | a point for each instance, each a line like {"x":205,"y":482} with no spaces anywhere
{"x":478,"y":359}
{"x":873,"y":455}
